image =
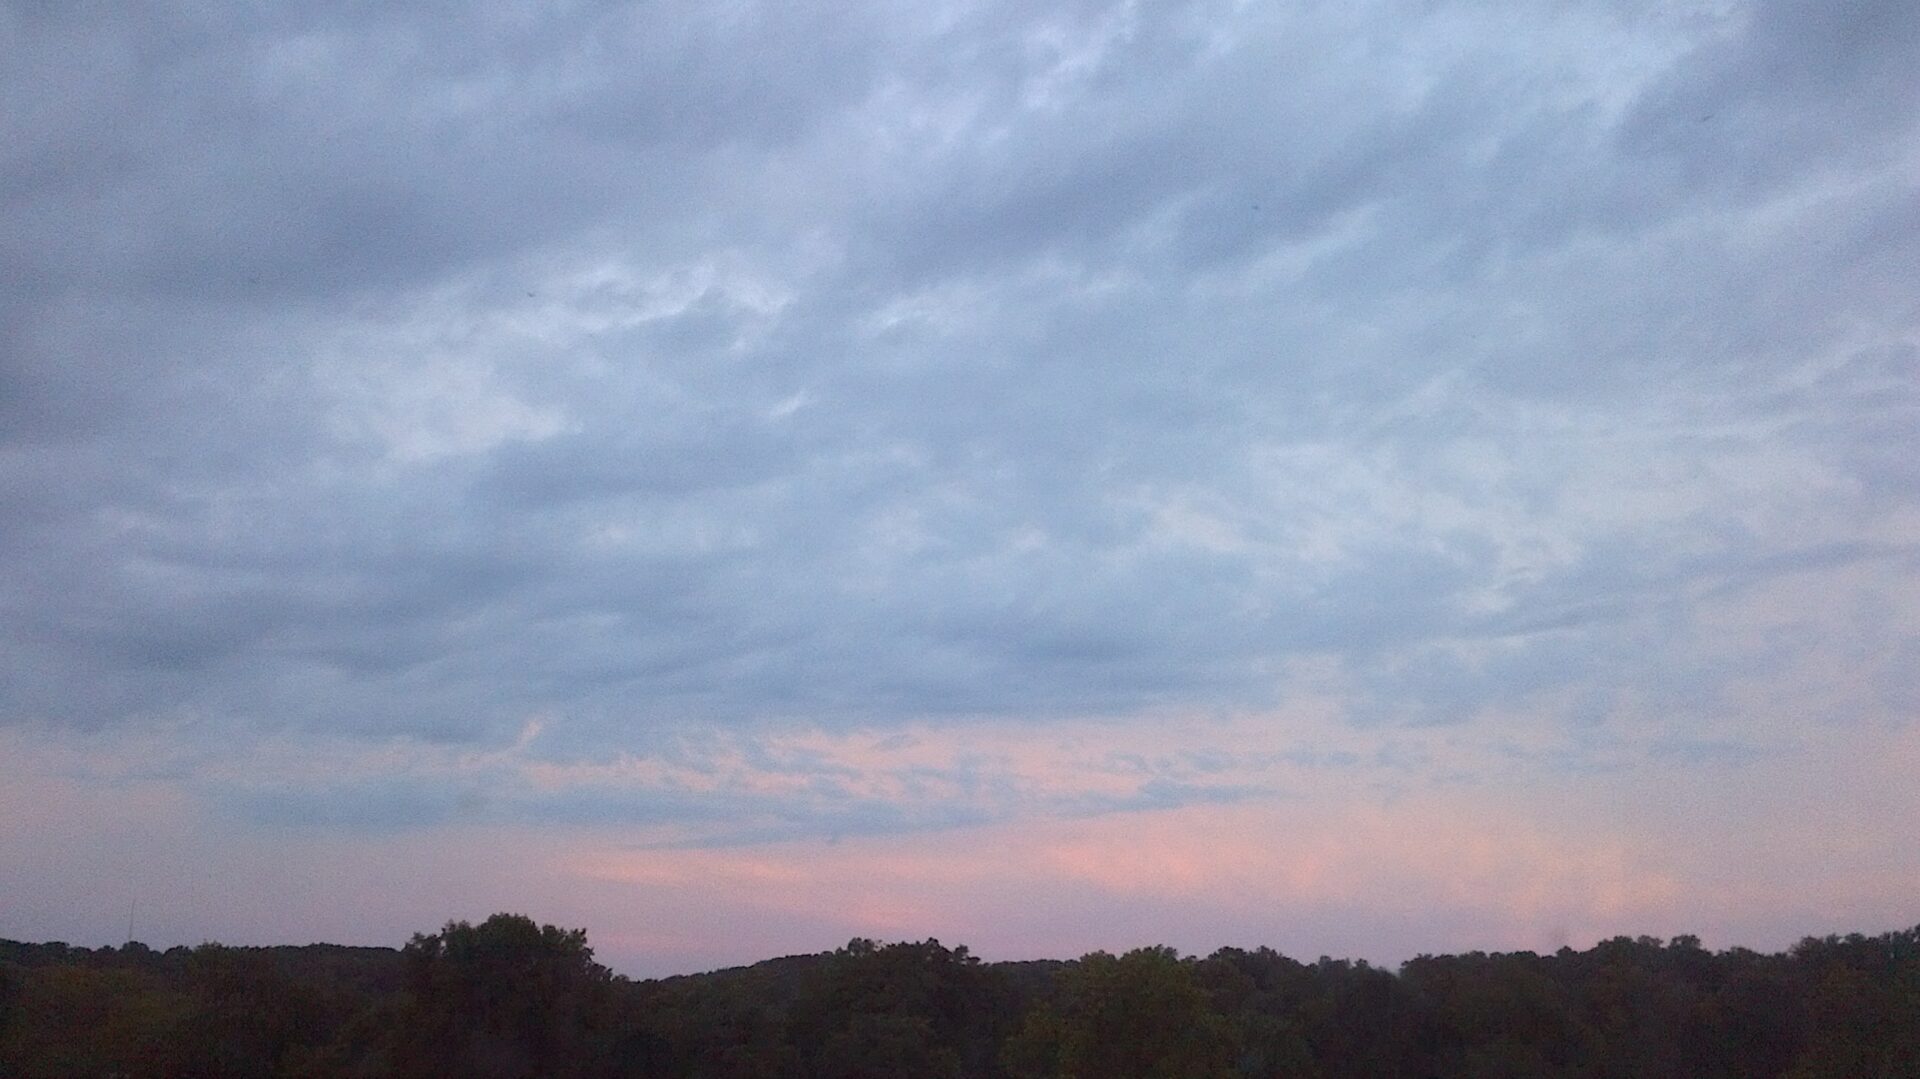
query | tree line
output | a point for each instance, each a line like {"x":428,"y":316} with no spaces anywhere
{"x":509,"y":999}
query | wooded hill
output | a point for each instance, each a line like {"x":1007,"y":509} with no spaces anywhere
{"x":509,"y":998}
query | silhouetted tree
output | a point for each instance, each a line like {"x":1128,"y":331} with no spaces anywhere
{"x":901,"y":1009}
{"x":1863,"y":1004}
{"x":82,"y":1020}
{"x":502,"y":1000}
{"x":511,"y":998}
{"x":1140,"y":1016}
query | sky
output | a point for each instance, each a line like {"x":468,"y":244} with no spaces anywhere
{"x":1365,"y":478}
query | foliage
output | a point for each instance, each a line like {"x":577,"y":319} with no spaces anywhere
{"x":509,"y":997}
{"x":1140,"y":1016}
{"x":503,"y":1000}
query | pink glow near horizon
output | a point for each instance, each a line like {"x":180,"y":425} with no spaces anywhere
{"x":1333,"y":870}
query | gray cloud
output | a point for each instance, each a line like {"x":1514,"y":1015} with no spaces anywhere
{"x":407,"y":371}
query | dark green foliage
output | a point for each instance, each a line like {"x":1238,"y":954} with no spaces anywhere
{"x":505,"y":999}
{"x":1360,"y":1021}
{"x":1263,"y":995}
{"x":1497,"y":1016}
{"x":1140,"y":1016}
{"x":1863,"y":1004}
{"x":901,"y":1009}
{"x":208,"y":1011}
{"x":865,"y":1010}
{"x":78,"y":1020}
{"x":9,"y":994}
{"x":511,"y":998}
{"x":731,"y":1024}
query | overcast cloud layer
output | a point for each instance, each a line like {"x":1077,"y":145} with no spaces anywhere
{"x":930,"y":450}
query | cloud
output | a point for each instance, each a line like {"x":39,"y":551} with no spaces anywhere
{"x":377,"y":382}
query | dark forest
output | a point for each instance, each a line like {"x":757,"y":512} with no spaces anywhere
{"x":511,"y":998}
